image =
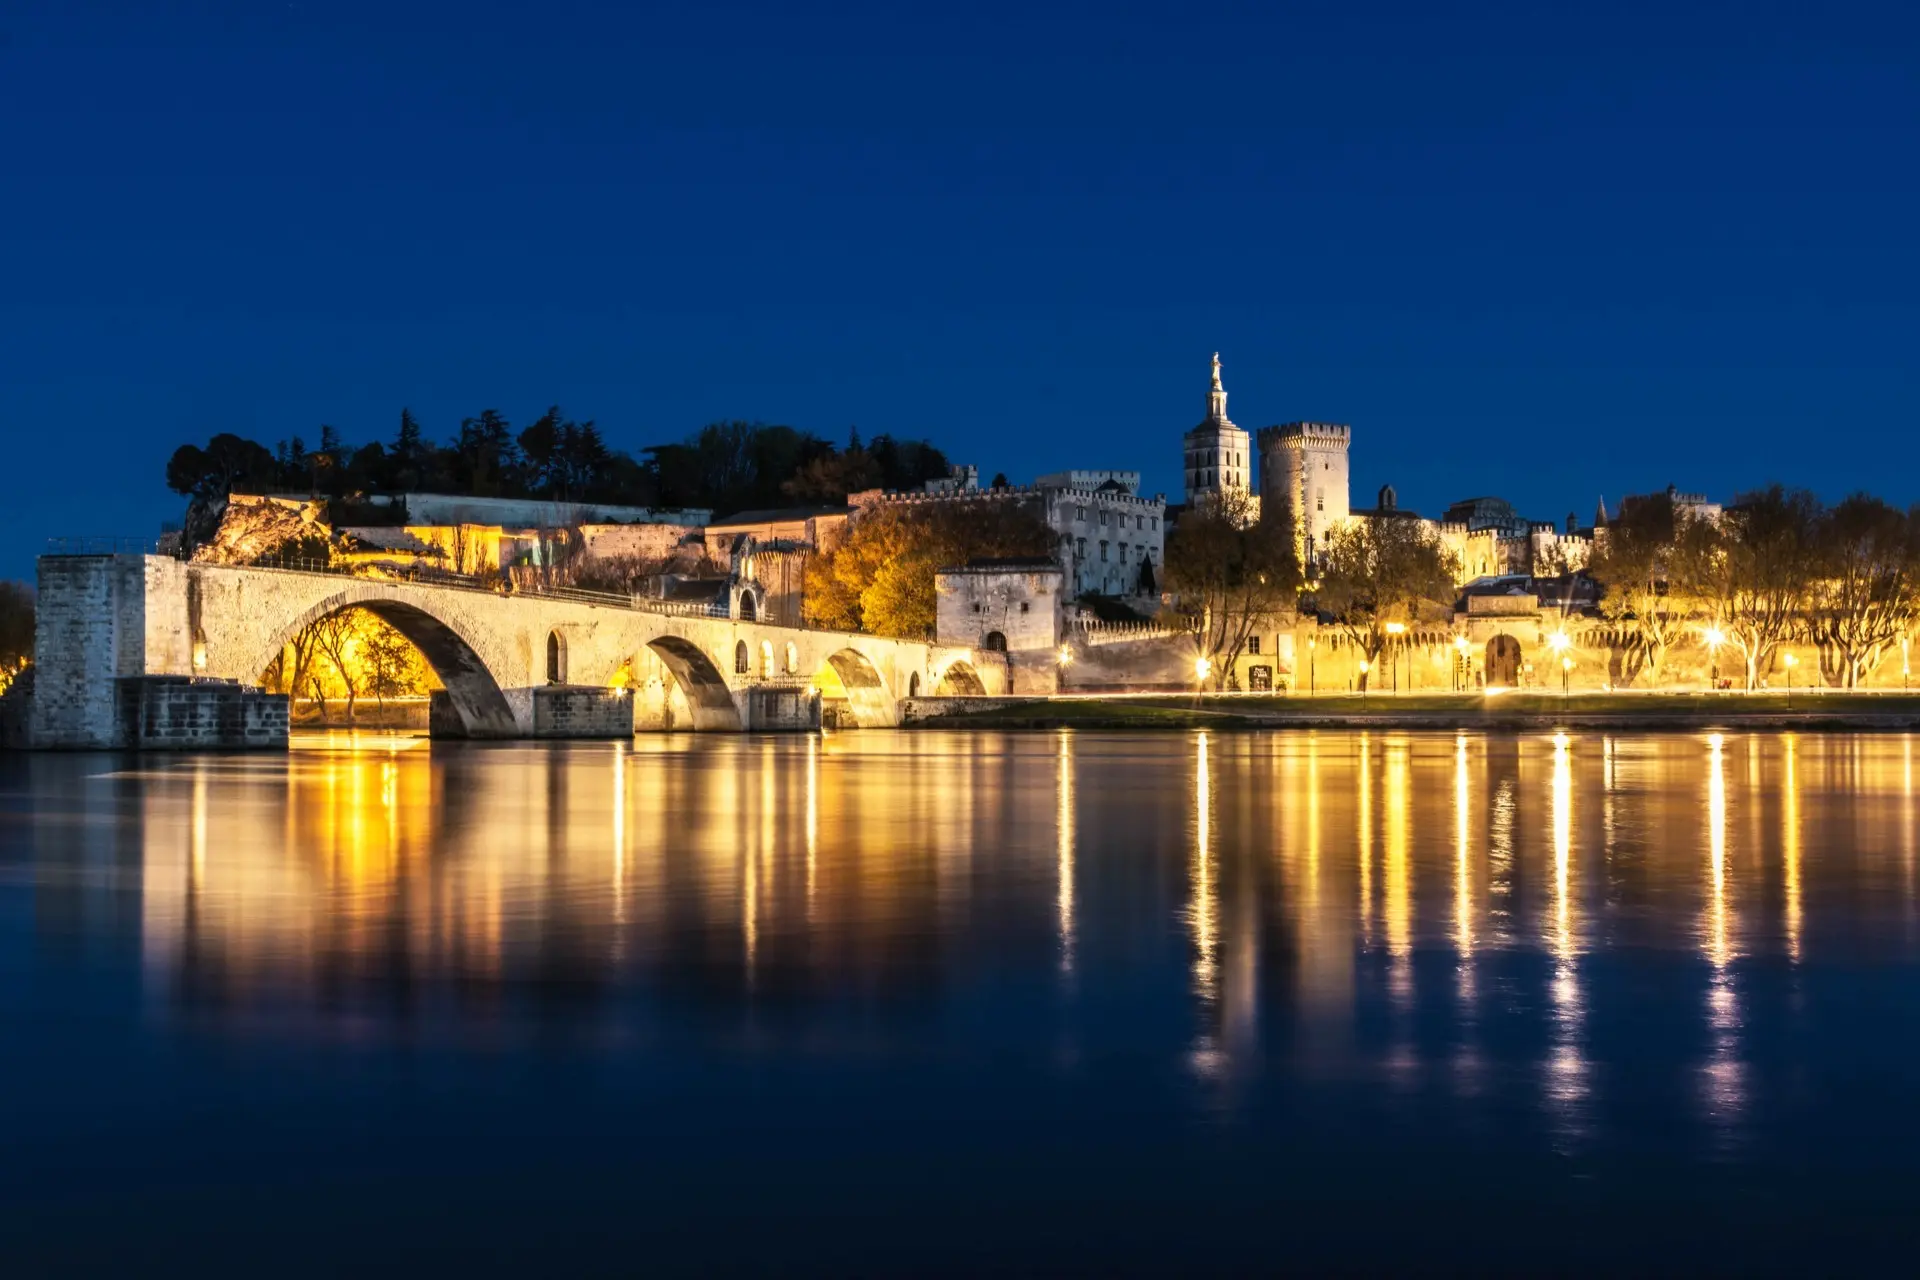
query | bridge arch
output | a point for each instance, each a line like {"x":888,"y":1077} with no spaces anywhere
{"x":707,"y":694}
{"x":472,"y":689}
{"x":960,"y":680}
{"x":868,"y":699}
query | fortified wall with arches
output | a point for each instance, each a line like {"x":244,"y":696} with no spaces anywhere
{"x":138,"y":650}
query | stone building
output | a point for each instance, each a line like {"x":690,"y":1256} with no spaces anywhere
{"x":1110,"y":540}
{"x":1011,"y":606}
{"x":1219,"y":455}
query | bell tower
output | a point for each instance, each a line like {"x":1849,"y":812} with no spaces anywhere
{"x":1218,"y":453}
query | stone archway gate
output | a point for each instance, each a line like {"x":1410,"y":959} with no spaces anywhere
{"x":108,"y":619}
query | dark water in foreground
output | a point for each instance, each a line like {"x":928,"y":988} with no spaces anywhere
{"x":924,"y":1002}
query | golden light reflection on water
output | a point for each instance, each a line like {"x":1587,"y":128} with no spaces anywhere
{"x":1063,"y":838}
{"x":1724,"y":1086}
{"x":1203,"y":906}
{"x":805,"y":869}
{"x":1790,"y":842}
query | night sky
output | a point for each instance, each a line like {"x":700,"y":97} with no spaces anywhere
{"x":1547,"y":251}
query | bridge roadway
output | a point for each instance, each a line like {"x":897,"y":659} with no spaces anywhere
{"x":113,"y":617}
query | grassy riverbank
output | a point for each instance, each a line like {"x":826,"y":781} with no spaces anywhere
{"x":1449,"y":711}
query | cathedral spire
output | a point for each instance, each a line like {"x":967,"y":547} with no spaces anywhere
{"x":1217,"y":396}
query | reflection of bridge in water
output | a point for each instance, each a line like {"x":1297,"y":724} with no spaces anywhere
{"x":514,"y":665}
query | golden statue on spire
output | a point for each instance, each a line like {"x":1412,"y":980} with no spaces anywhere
{"x":1216,"y":372}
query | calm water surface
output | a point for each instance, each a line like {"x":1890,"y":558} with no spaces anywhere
{"x":938,"y":1001}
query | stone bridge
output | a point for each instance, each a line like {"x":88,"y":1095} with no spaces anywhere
{"x":516,"y":665}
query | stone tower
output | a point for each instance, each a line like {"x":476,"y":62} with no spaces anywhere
{"x":1304,"y":465}
{"x":1219,"y":455}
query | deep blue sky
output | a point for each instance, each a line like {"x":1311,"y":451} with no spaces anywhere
{"x":1542,"y":250}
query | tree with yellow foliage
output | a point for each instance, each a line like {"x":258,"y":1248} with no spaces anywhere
{"x":878,"y":578}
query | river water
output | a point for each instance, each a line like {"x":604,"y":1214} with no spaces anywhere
{"x":945,"y":1002}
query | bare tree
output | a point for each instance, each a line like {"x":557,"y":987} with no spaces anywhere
{"x":1634,"y":557}
{"x":1754,"y":570}
{"x":1380,"y":571}
{"x":1868,"y":587}
{"x":1230,"y":573}
{"x":333,"y":638}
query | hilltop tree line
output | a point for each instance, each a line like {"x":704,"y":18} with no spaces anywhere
{"x":725,"y":467}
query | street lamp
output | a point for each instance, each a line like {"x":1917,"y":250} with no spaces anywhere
{"x":1791,"y":662}
{"x":1559,"y":643}
{"x":1065,"y":657}
{"x":1313,"y":642}
{"x":1396,"y":630}
{"x":1201,"y":670}
{"x":1363,"y":682}
{"x":1460,"y":668}
{"x":1906,"y":667}
{"x":1715,"y":638}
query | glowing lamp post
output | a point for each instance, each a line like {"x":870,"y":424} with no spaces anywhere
{"x":1312,"y":666}
{"x":1791,"y":662}
{"x":1363,"y":682}
{"x":1065,"y":656}
{"x":1396,"y":630}
{"x":1201,"y":670}
{"x":1460,"y":667}
{"x":1559,"y":643}
{"x":1715,"y":638}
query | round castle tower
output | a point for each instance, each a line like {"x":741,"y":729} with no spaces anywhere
{"x":1304,"y":464}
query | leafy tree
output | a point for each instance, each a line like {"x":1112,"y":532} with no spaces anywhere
{"x":1633,"y":557}
{"x":1380,"y":571}
{"x":486,"y":460}
{"x":1867,"y":588}
{"x":830,"y":477}
{"x":1231,"y":573}
{"x":879,"y":577}
{"x":227,"y":464}
{"x":1753,"y":569}
{"x":407,"y":458}
{"x":16,"y":631}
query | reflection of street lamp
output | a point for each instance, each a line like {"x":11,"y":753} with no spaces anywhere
{"x":1791,"y":662}
{"x":1715,"y":638}
{"x":1396,"y":630}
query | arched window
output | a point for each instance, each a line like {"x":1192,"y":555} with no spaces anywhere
{"x":793,"y":658}
{"x":766,"y":659}
{"x":748,"y":612}
{"x":556,"y":658}
{"x":742,"y":660}
{"x":913,"y":685}
{"x":994,"y":642}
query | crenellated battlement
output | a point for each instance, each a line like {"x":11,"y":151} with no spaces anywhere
{"x":1324,"y":435}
